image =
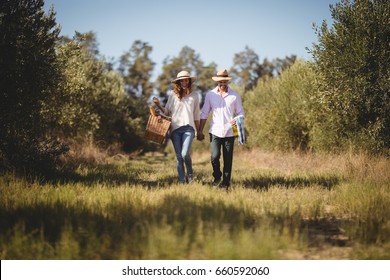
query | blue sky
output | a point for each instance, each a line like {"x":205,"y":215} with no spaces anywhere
{"x":215,"y":29}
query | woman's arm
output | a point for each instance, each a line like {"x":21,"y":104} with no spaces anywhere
{"x":156,"y":101}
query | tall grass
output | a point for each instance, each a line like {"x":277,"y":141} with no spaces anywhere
{"x":281,"y":206}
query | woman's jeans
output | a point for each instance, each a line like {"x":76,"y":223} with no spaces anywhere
{"x":182,"y":141}
{"x":227,"y":145}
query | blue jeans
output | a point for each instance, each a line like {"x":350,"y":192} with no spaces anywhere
{"x":227,"y":145}
{"x":182,"y":141}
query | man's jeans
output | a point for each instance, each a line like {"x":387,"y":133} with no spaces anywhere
{"x":182,"y":141}
{"x":227,"y":144}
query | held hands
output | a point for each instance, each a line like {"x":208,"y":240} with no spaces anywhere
{"x":200,"y":136}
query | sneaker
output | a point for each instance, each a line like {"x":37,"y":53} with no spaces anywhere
{"x":216,"y":183}
{"x":190,"y":178}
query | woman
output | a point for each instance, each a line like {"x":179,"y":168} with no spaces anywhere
{"x":183,"y":107}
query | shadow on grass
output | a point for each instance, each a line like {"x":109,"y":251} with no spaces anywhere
{"x":123,"y":226}
{"x":326,"y":230}
{"x":97,"y":236}
{"x":117,"y":227}
{"x":144,"y":172}
{"x":265,"y":182}
{"x":114,"y":175}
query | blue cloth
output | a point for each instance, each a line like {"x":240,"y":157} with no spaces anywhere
{"x":240,"y":128}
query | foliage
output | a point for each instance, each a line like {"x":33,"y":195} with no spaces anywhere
{"x":136,"y":68}
{"x":55,"y":89}
{"x":190,"y":61}
{"x":281,"y":64}
{"x":70,"y":112}
{"x":29,"y":75}
{"x":353,"y":57}
{"x":247,"y":69}
{"x":279,"y":111}
{"x":91,"y":102}
{"x":87,"y":41}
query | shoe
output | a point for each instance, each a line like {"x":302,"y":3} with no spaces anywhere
{"x":216,"y":183}
{"x":190,"y":178}
{"x":224,"y":186}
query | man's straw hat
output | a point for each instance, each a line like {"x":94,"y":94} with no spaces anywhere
{"x":222,"y":75}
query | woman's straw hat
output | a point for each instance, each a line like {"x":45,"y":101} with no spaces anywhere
{"x":184,"y":75}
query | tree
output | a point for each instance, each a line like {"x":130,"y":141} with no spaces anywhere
{"x":354,"y":57}
{"x":283,"y":111}
{"x":70,"y":112}
{"x":204,"y":82}
{"x":190,"y":61}
{"x":88,"y":41}
{"x":281,"y":64}
{"x":28,"y":77}
{"x":246,"y":68}
{"x":136,"y":68}
{"x":91,"y":103}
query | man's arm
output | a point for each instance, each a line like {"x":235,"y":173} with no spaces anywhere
{"x":200,"y":135}
{"x":203,"y":116}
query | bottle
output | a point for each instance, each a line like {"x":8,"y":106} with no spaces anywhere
{"x":235,"y":131}
{"x":152,"y":111}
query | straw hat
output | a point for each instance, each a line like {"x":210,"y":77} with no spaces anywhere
{"x":184,"y":75}
{"x":222,"y":75}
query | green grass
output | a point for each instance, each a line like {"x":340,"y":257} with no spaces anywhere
{"x":281,"y":206}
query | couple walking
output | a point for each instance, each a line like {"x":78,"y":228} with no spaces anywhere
{"x":188,"y":121}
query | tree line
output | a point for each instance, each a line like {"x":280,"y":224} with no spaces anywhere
{"x":57,"y":91}
{"x":338,"y":102}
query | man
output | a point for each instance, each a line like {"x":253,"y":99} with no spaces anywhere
{"x":224,"y":104}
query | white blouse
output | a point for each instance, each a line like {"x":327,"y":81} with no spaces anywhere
{"x":183,"y":112}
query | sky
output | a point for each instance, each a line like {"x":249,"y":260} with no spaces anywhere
{"x":214,"y":29}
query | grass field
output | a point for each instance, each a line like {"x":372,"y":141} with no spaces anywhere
{"x":281,"y":206}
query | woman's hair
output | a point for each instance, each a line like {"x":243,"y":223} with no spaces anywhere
{"x":179,"y":91}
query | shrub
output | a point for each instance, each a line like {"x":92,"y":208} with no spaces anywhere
{"x":280,"y":111}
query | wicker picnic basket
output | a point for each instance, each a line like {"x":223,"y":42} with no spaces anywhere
{"x":157,"y":128}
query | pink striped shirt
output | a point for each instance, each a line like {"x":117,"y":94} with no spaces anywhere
{"x":223,"y":109}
